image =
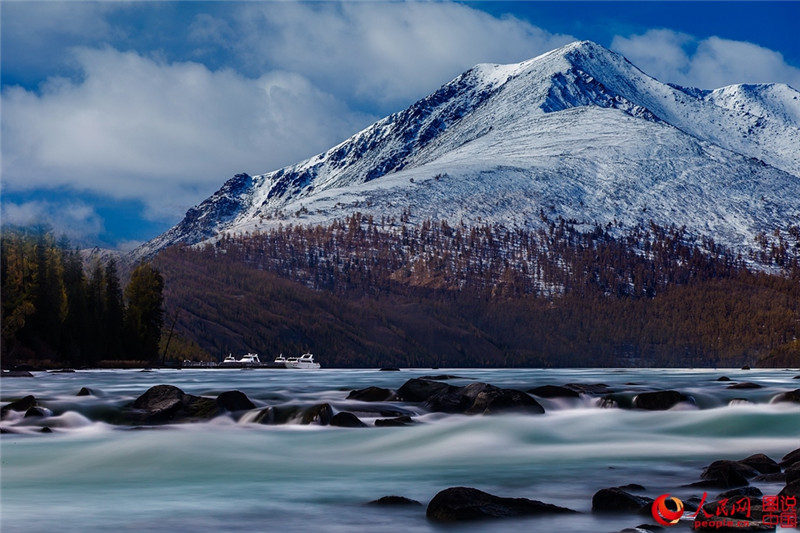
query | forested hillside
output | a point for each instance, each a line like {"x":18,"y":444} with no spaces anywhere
{"x":372,"y":293}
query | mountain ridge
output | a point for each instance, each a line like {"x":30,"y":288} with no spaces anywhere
{"x":578,"y":132}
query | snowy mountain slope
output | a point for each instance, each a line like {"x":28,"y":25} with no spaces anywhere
{"x":578,"y":132}
{"x":774,"y":100}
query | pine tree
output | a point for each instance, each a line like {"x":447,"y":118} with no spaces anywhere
{"x":144,"y":315}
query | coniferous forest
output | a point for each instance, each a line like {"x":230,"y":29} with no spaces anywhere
{"x":57,"y":311}
{"x":366,"y":292}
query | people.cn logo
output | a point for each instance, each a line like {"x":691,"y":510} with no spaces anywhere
{"x":663,"y":514}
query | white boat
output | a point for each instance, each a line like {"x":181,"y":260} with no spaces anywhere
{"x":250,"y":359}
{"x":280,"y":360}
{"x":229,"y":359}
{"x":305,"y":361}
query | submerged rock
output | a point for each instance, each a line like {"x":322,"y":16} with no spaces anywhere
{"x":553,"y":391}
{"x":744,"y":385}
{"x":389,"y":369}
{"x":317,"y":414}
{"x":394,"y":500}
{"x":441,"y":377}
{"x":371,"y":394}
{"x":45,"y":430}
{"x":723,"y":378}
{"x":464,"y":503}
{"x":85,"y":391}
{"x":616,"y":500}
{"x":347,"y":420}
{"x":394,"y":422}
{"x":658,"y":400}
{"x":23,"y":404}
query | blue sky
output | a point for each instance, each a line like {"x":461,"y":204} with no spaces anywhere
{"x":117,"y":117}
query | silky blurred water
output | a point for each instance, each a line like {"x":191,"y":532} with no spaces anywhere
{"x":223,"y":475}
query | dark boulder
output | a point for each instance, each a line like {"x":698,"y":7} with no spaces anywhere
{"x":419,"y":390}
{"x":34,"y":412}
{"x":616,"y":500}
{"x":791,"y":474}
{"x":394,"y":422}
{"x":790,"y":458}
{"x":745,"y":367}
{"x":589,"y":388}
{"x":371,"y":394}
{"x":553,"y":391}
{"x":777,"y":477}
{"x":761,"y":463}
{"x":23,"y":404}
{"x":394,"y":500}
{"x":723,"y":378}
{"x":85,"y":391}
{"x":741,"y":492}
{"x":632,"y":487}
{"x":235,"y":400}
{"x":464,"y":503}
{"x":16,"y":374}
{"x":45,"y":430}
{"x":320,"y":413}
{"x":166,"y":403}
{"x":475,"y":398}
{"x":744,"y":385}
{"x":791,"y":489}
{"x":725,"y":475}
{"x":489,"y":399}
{"x":658,"y":400}
{"x":792,"y":396}
{"x":347,"y":420}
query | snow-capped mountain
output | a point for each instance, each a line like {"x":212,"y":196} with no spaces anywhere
{"x":578,"y":132}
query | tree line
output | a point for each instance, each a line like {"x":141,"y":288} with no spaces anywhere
{"x":58,"y":312}
{"x":364,"y":292}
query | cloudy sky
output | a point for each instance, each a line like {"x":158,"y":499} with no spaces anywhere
{"x":118,"y":116}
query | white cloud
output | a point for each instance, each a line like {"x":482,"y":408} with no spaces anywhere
{"x":390,"y":53}
{"x":165,"y":133}
{"x":707,"y":63}
{"x":77,"y":220}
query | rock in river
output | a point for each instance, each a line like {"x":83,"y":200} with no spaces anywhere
{"x":658,"y":400}
{"x":166,"y":403}
{"x":394,"y":500}
{"x":476,"y":398}
{"x":790,"y":396}
{"x":464,"y":503}
{"x":553,"y":391}
{"x":371,"y":394}
{"x":394,"y":422}
{"x":725,"y":474}
{"x":762,"y":463}
{"x":616,"y":500}
{"x":347,"y":420}
{"x":23,"y":404}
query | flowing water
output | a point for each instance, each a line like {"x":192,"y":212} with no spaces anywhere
{"x":237,"y":476}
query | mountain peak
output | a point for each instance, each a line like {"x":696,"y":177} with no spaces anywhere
{"x":578,"y":132}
